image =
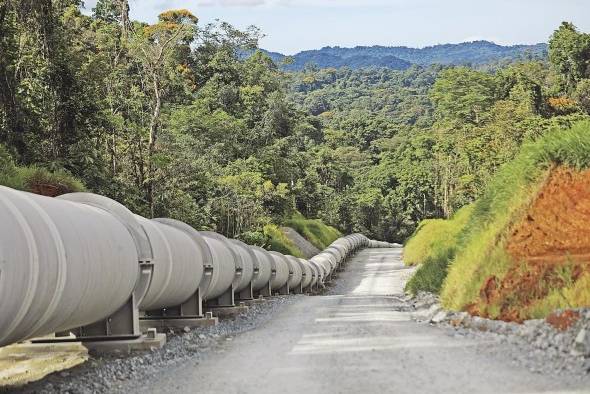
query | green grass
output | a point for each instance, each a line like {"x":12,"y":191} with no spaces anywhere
{"x":279,"y":242}
{"x":434,"y":236}
{"x":314,"y":230}
{"x":28,"y":177}
{"x":433,"y":245}
{"x":504,"y":202}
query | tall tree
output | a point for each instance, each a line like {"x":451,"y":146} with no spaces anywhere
{"x":155,"y":45}
{"x":569,"y":53}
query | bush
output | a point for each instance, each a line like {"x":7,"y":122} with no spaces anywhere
{"x":431,"y":274}
{"x":42,"y":181}
{"x":434,"y":236}
{"x":8,"y":170}
{"x":314,"y":230}
{"x":36,"y":179}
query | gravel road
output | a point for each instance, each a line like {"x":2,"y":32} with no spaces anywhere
{"x":354,"y":341}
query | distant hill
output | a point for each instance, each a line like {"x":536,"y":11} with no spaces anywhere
{"x":401,"y":58}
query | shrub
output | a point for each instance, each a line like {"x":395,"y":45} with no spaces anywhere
{"x":42,"y":181}
{"x":36,"y":179}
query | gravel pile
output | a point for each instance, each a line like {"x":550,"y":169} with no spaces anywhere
{"x":108,"y":374}
{"x":535,"y":344}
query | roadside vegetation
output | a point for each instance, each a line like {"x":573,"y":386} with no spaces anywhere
{"x":523,"y":250}
{"x":433,"y":246}
{"x":497,"y":265}
{"x":36,"y":179}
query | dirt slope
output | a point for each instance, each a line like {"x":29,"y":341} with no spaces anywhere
{"x":306,"y":247}
{"x":549,"y":247}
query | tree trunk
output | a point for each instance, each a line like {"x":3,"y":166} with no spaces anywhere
{"x":153,"y":137}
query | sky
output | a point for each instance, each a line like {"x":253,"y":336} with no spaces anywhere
{"x":291,"y":26}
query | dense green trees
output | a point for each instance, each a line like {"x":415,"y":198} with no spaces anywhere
{"x":433,"y":137}
{"x":173,"y":120}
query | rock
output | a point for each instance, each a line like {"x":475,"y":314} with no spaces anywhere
{"x":202,"y":336}
{"x":582,"y":343}
{"x":186,"y":329}
{"x":426,"y":314}
{"x":439,"y":317}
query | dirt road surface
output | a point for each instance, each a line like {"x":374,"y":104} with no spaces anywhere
{"x":352,"y":341}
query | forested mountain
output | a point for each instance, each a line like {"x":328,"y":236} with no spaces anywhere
{"x":400,"y":58}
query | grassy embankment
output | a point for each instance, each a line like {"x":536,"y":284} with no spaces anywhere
{"x":433,"y":245}
{"x":495,"y":270}
{"x":314,"y":230}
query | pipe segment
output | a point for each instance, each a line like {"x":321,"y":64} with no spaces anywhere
{"x":62,"y":265}
{"x":178,"y":266}
{"x":225,"y":265}
{"x":266,"y":268}
{"x":295,"y":272}
{"x":249,"y":263}
{"x":282,"y":271}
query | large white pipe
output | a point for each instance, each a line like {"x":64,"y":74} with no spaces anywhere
{"x":247,"y":262}
{"x":282,"y":271}
{"x":266,"y":268}
{"x":62,"y":265}
{"x":178,"y":266}
{"x":307,"y":273}
{"x":224,"y":262}
{"x":295,"y":272}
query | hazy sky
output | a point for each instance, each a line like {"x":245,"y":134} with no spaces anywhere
{"x":294,"y":25}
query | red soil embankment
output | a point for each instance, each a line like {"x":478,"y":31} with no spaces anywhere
{"x":550,"y":247}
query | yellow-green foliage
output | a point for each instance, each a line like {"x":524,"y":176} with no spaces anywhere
{"x":314,"y":230}
{"x":575,"y":294}
{"x":433,"y":245}
{"x":504,"y":202}
{"x":279,"y":242}
{"x":434,"y":235}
